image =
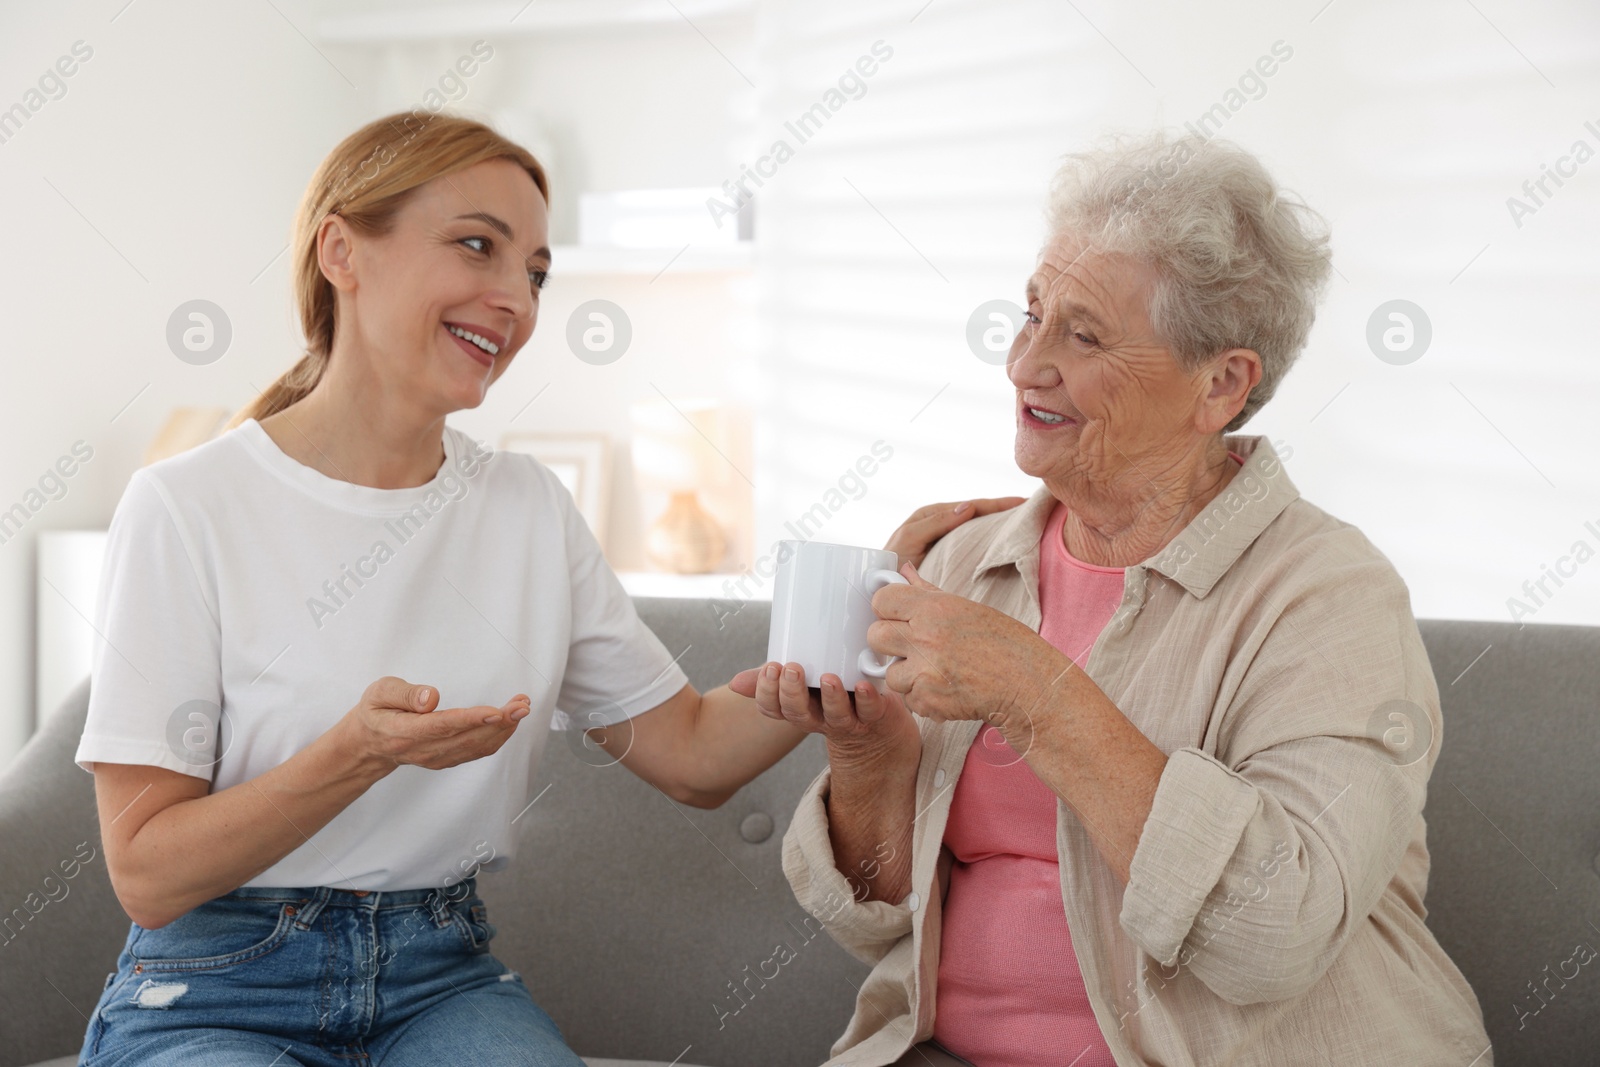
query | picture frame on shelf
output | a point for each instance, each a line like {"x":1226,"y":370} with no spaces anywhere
{"x":582,"y":461}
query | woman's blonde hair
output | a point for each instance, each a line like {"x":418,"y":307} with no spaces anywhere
{"x":366,"y":180}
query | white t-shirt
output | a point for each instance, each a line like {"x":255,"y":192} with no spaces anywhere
{"x":237,"y":578}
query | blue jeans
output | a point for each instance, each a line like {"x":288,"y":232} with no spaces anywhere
{"x":321,"y":977}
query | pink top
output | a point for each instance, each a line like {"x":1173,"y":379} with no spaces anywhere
{"x":1009,"y":990}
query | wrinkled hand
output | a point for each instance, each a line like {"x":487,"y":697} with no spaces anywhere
{"x":963,"y":660}
{"x":870,"y":729}
{"x":395,"y":721}
{"x":918,"y":534}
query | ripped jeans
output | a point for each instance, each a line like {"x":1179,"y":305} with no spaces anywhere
{"x":321,"y":977}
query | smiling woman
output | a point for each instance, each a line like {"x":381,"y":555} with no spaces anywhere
{"x":316,"y":826}
{"x":444,"y":241}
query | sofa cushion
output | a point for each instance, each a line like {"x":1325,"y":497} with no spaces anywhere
{"x":1513,"y":818}
{"x":651,"y":929}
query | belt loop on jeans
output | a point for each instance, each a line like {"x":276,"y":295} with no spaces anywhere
{"x":306,"y":914}
{"x":460,"y":891}
{"x":439,"y":907}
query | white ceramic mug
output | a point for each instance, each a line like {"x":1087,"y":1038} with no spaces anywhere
{"x":822,"y":606}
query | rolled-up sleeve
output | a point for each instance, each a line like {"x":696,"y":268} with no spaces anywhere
{"x":1256,"y":866}
{"x":1192,"y":836}
{"x":865,"y":929}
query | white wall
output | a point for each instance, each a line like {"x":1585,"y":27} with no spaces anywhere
{"x":171,"y":168}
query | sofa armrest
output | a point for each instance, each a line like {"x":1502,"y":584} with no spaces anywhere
{"x":60,"y":924}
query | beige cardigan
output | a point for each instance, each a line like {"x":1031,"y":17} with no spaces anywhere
{"x":1273,"y":913}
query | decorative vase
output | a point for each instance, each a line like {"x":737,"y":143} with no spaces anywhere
{"x":686,"y":539}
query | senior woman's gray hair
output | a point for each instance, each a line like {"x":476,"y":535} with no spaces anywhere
{"x":1239,"y":263}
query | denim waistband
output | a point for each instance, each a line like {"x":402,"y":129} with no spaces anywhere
{"x":369,"y":899}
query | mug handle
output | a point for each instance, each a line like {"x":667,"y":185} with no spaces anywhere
{"x":868,"y":661}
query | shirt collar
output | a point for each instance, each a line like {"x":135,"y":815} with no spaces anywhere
{"x":1203,"y":550}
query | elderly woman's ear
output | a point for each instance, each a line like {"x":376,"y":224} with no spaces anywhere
{"x":919,"y":533}
{"x":1232,"y":375}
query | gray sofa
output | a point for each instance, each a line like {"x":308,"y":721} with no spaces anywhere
{"x":631,"y":918}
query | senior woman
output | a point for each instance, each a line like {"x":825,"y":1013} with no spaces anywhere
{"x":1127,"y":798}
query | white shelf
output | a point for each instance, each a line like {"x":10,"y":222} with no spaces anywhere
{"x":696,"y":259}
{"x":518,"y":17}
{"x":657,"y":583}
